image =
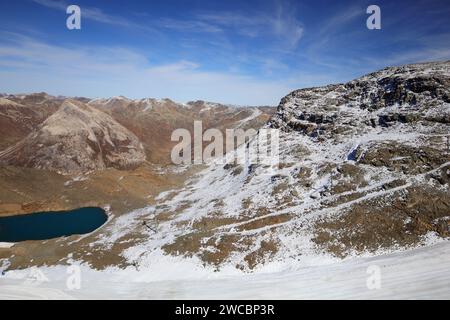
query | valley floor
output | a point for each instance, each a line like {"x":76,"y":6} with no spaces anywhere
{"x":422,"y":273}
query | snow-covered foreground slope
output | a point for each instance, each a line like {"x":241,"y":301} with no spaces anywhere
{"x":417,"y":274}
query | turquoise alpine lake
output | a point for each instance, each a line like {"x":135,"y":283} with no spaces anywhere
{"x":49,"y":225}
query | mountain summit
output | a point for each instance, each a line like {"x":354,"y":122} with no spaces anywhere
{"x":77,"y":138}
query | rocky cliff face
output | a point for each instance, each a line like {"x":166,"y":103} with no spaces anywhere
{"x":407,"y":94}
{"x":77,"y":138}
{"x":365,"y":168}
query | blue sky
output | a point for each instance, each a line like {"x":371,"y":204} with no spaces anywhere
{"x":239,"y":52}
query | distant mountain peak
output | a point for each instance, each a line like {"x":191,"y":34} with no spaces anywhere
{"x":77,"y":138}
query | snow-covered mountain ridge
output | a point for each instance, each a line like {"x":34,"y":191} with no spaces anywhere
{"x":365,"y":169}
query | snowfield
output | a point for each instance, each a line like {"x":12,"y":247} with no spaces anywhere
{"x":422,"y":273}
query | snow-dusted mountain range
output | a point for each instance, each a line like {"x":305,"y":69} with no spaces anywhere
{"x":364,"y":171}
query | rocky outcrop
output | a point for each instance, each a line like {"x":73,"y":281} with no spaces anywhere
{"x":405,"y":94}
{"x":77,"y":138}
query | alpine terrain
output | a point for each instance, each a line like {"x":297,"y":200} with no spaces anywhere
{"x":363,"y":178}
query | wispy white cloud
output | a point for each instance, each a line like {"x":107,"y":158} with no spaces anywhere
{"x":103,"y":71}
{"x":339,"y":20}
{"x":91,"y":13}
{"x":54,"y":4}
{"x":188,"y":25}
{"x":328,"y":37}
{"x":281,"y":23}
{"x":279,"y":26}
